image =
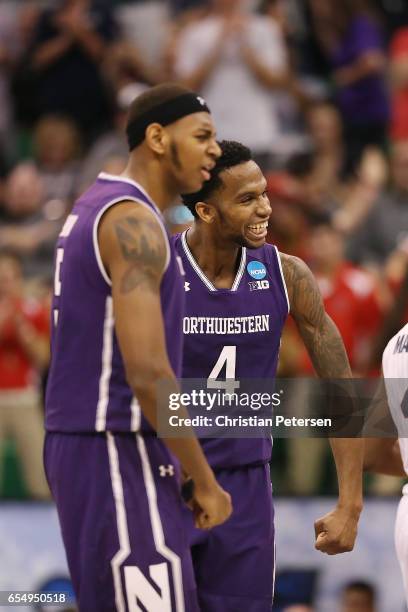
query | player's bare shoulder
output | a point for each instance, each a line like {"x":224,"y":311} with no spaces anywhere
{"x":292,"y":266}
{"x":300,"y":282}
{"x":133,"y":245}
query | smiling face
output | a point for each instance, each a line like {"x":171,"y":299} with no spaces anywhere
{"x":238,"y":211}
{"x":191,"y":150}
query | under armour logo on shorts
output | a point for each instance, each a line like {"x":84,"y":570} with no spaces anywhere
{"x":166,"y":470}
{"x":201,"y":100}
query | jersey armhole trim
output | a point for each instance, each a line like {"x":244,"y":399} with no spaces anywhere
{"x":111,"y":203}
{"x":105,"y":176}
{"x":282,"y":276}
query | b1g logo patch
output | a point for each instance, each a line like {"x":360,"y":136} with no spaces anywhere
{"x":256,"y":269}
{"x":256,"y":285}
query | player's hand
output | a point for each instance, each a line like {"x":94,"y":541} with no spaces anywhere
{"x":211,"y":506}
{"x":336,"y":531}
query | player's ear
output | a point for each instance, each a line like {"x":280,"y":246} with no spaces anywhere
{"x":156,"y":137}
{"x":205,"y":212}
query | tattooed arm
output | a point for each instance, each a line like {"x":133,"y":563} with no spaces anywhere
{"x":133,"y":251}
{"x":320,"y":335}
{"x":336,"y":532}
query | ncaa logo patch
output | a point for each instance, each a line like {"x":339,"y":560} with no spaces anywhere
{"x":256,"y":269}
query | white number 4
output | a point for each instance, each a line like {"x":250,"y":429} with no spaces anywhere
{"x":227,"y":357}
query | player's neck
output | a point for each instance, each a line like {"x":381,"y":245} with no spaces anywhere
{"x":152,"y":177}
{"x":218,"y":260}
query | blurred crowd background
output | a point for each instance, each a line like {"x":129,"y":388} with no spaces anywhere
{"x":317,"y":88}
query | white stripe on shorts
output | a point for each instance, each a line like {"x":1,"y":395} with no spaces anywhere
{"x":157,"y":527}
{"x":121,"y":521}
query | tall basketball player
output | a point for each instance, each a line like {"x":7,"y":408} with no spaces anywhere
{"x":117,"y":330}
{"x":386,"y":455}
{"x":234,"y":281}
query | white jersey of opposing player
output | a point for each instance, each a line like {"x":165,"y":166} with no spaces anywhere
{"x":395,"y":369}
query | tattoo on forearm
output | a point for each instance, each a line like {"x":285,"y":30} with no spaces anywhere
{"x":327,"y":351}
{"x":142,"y":246}
{"x":320,"y":335}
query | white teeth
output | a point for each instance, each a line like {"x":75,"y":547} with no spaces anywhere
{"x":259,"y":226}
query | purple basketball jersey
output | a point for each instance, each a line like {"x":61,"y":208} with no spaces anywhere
{"x":244,"y":324}
{"x":87,"y":389}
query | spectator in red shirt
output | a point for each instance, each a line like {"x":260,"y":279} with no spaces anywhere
{"x":349,"y":293}
{"x":24,"y":353}
{"x":350,"y":298}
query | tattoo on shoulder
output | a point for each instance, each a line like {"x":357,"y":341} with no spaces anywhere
{"x":319,"y":333}
{"x":142,"y":246}
{"x":304,"y":294}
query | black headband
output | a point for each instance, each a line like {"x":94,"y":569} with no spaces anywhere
{"x":164,"y":113}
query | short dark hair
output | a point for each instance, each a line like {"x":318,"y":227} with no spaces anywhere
{"x":152,"y":97}
{"x":362,"y":586}
{"x":233,"y":154}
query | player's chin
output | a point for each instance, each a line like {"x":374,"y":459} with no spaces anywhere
{"x":192,"y":184}
{"x":252,"y":242}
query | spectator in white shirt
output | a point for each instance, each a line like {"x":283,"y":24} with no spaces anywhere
{"x":238,"y":61}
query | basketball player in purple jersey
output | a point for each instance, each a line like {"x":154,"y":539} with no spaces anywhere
{"x":117,"y":330}
{"x":239,"y":292}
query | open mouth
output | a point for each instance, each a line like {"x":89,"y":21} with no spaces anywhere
{"x":258,"y":230}
{"x":206,"y":171}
